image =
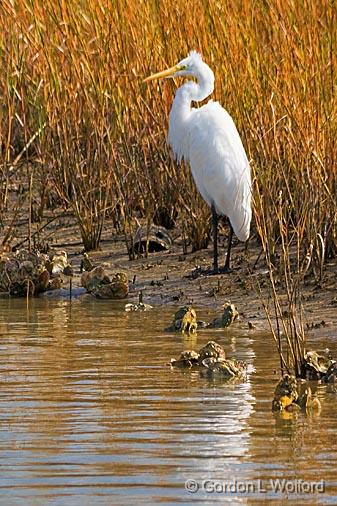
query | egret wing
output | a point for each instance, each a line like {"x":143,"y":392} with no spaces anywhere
{"x":220,"y":166}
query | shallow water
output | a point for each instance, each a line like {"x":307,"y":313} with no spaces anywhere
{"x":91,"y":415}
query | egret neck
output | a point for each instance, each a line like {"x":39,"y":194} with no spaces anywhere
{"x":181,"y":111}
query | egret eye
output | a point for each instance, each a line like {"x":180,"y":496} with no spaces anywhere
{"x":182,"y":67}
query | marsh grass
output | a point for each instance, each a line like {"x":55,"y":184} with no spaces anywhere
{"x":74,"y":105}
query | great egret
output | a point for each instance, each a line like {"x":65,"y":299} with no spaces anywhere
{"x":208,"y":140}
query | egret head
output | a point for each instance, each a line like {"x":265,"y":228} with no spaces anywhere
{"x":189,"y":66}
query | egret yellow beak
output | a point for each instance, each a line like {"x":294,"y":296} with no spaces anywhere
{"x":164,"y":73}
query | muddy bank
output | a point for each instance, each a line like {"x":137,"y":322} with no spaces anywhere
{"x":172,"y":278}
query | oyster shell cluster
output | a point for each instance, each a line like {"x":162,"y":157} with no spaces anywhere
{"x":185,"y":319}
{"x":104,"y":286}
{"x":29,"y":273}
{"x":212,"y":359}
{"x":292,"y":396}
{"x":229,"y":315}
{"x":316,"y":366}
{"x":285,"y":393}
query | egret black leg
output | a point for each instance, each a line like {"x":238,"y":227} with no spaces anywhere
{"x":215,"y":239}
{"x":228,"y":256}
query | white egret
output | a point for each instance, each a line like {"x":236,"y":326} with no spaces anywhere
{"x":207,"y":138}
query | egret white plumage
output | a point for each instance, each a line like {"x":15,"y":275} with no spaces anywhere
{"x":207,"y":138}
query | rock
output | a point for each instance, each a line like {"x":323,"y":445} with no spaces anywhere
{"x":62,"y":293}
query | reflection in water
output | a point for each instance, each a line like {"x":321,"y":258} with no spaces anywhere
{"x":90,"y":412}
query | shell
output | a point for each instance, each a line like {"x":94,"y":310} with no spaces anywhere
{"x":229,"y":315}
{"x":228,"y":368}
{"x":212,"y":350}
{"x":24,"y":271}
{"x":211,"y":358}
{"x":315,"y":366}
{"x":55,"y":284}
{"x":308,"y":402}
{"x":43,"y":281}
{"x":140,"y":306}
{"x":188,"y":358}
{"x":92,"y":280}
{"x":185,"y":320}
{"x":151,"y":239}
{"x":285,"y":393}
{"x":86,"y":263}
{"x":59,"y":263}
{"x":98,"y":283}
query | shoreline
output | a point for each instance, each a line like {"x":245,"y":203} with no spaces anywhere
{"x":165,"y":277}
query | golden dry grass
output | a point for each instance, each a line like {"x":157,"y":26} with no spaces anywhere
{"x":71,"y":86}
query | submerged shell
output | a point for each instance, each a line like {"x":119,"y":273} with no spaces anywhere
{"x":285,"y":393}
{"x":229,"y":315}
{"x":226,"y":367}
{"x":185,"y":320}
{"x":308,"y":402}
{"x":188,"y":358}
{"x":212,"y":350}
{"x":331,"y":374}
{"x":315,"y":366}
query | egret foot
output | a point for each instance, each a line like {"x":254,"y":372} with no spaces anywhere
{"x":225,"y":270}
{"x":200,"y":271}
{"x":215,"y":271}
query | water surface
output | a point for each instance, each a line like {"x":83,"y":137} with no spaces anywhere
{"x":91,"y":414}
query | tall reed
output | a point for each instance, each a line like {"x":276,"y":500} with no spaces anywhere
{"x":73,"y":71}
